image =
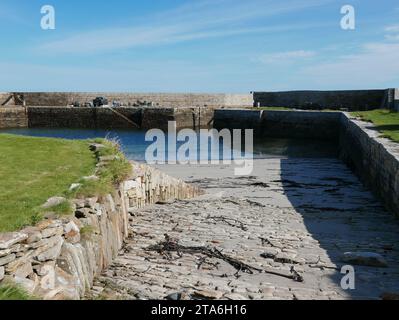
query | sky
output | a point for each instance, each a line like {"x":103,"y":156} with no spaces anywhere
{"x":231,"y":46}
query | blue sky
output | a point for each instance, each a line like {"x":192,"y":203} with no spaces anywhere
{"x":198,"y":46}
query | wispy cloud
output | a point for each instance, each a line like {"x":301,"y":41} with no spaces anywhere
{"x":286,"y":57}
{"x":194,"y":20}
{"x":376,"y":64}
{"x":392,"y":28}
{"x":393,"y":32}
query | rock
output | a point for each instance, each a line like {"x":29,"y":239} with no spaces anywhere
{"x":44,"y":244}
{"x":270,"y":253}
{"x":207,"y":294}
{"x":51,"y":232}
{"x":111,"y":203}
{"x":90,"y":202}
{"x":95,"y":147}
{"x":24,"y":270}
{"x":13,"y":266}
{"x":4,"y":253}
{"x":174,"y":296}
{"x":131,"y":184}
{"x":44,"y":224}
{"x":75,"y":186}
{"x":2,"y":271}
{"x":33,"y":233}
{"x":109,"y":158}
{"x":370,"y":259}
{"x":27,"y":284}
{"x":52,"y":202}
{"x":10,"y":238}
{"x":234,"y":296}
{"x":267,"y":291}
{"x":45,"y":268}
{"x":72,"y":232}
{"x":52,"y":253}
{"x":91,"y":178}
{"x":7,"y":259}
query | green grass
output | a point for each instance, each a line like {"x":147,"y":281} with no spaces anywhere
{"x":87,"y":232}
{"x":385,"y":121}
{"x":35,"y":169}
{"x":13,"y":292}
{"x":113,"y":173}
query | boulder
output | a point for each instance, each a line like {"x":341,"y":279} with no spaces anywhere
{"x":4,"y":253}
{"x":52,"y":253}
{"x":27,"y":284}
{"x":72,"y":232}
{"x":75,"y":186}
{"x":24,"y":270}
{"x":51,"y":232}
{"x":11,"y":238}
{"x":52,"y":202}
{"x":91,"y":178}
{"x":370,"y":259}
{"x":7,"y":259}
{"x":95,"y":147}
{"x":34,"y":235}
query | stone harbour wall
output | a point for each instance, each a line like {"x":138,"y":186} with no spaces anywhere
{"x":67,"y":117}
{"x":352,"y":100}
{"x":59,"y":258}
{"x":166,"y":100}
{"x":145,"y":118}
{"x":374,"y":159}
{"x":282,"y":124}
{"x":13,"y":117}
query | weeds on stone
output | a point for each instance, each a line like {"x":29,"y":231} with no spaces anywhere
{"x":11,"y":291}
{"x":87,"y":232}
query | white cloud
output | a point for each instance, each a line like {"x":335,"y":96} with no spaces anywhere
{"x":393,"y":33}
{"x":392,"y":28}
{"x":201,"y":19}
{"x":286,"y":57}
{"x":376,"y":65}
{"x":391,"y":37}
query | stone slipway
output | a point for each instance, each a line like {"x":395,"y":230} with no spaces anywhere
{"x":308,"y":212}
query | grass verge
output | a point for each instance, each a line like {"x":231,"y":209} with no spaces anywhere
{"x":13,"y":292}
{"x":35,"y":169}
{"x":385,"y":121}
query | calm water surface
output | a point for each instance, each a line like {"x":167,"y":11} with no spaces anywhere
{"x":134,"y":145}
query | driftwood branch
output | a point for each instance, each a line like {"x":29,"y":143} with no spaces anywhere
{"x":171,"y":245}
{"x":230,"y":221}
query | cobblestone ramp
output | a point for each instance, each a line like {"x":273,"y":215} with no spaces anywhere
{"x":293,"y":215}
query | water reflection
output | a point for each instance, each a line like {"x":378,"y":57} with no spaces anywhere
{"x":134,"y":145}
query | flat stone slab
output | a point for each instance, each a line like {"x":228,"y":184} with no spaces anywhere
{"x":11,"y":238}
{"x":52,"y":202}
{"x":290,"y":213}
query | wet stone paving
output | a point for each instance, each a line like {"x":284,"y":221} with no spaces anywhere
{"x":284,"y":232}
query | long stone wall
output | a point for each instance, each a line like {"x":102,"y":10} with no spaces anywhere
{"x":352,"y":100}
{"x":282,"y":124}
{"x":166,"y":100}
{"x":374,"y":159}
{"x":119,"y":118}
{"x":59,"y":258}
{"x":13,"y":117}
